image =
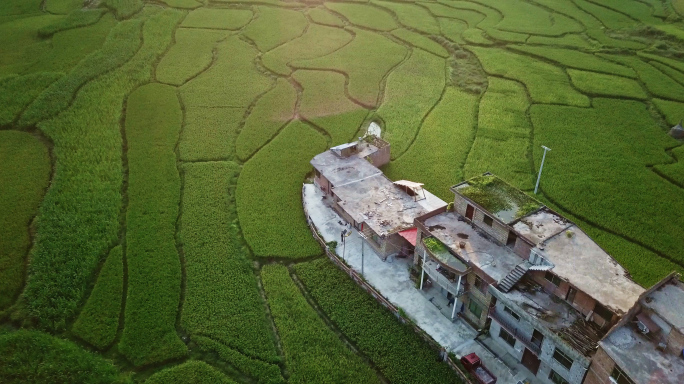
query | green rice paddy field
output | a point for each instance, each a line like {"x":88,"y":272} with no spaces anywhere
{"x":152,"y":155}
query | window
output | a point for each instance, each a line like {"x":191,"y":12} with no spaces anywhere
{"x":513,"y":314}
{"x":537,"y":338}
{"x":556,"y":378}
{"x":488,"y":220}
{"x":562,"y":358}
{"x":481,"y":285}
{"x":620,"y":377}
{"x":604,"y":312}
{"x":507,"y":337}
{"x":552,"y":278}
{"x":475,"y":308}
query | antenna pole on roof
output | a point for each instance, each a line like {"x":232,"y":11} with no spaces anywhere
{"x":536,"y":187}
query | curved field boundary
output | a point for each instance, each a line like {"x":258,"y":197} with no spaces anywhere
{"x":98,"y":322}
{"x":17,"y":92}
{"x":80,"y":212}
{"x":268,"y":194}
{"x":25,"y":169}
{"x":193,"y":371}
{"x":313,"y":352}
{"x":153,"y":123}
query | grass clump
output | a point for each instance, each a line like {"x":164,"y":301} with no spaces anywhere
{"x":496,"y":196}
{"x":217,"y":18}
{"x":365,"y":72}
{"x":269,"y":190}
{"x":270,"y":113}
{"x":502,"y":143}
{"x":313,"y":352}
{"x":439,"y":152}
{"x":99,"y":320}
{"x":411,"y":92}
{"x":153,"y":122}
{"x":374,"y":330}
{"x":412,"y":16}
{"x":673,"y":172}
{"x":275,"y":26}
{"x":466,"y":72}
{"x":420,"y":41}
{"x":75,"y":19}
{"x":435,"y":246}
{"x":193,"y":371}
{"x":232,"y":81}
{"x":16,"y":92}
{"x":190,"y":55}
{"x":545,"y":83}
{"x":209,"y":133}
{"x":324,"y":104}
{"x":263,"y":372}
{"x":318,"y":40}
{"x":321,"y":16}
{"x":365,"y":15}
{"x":617,"y":183}
{"x":606,"y":85}
{"x":123,"y":9}
{"x":24,"y":176}
{"x":576,"y":59}
{"x":36,"y":357}
{"x":120,"y":46}
{"x":217,"y":265}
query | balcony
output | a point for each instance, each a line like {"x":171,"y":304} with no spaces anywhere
{"x":431,"y":269}
{"x":512,"y":328}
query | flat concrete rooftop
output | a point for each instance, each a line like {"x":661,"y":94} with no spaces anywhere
{"x":637,"y":355}
{"x":668,"y":302}
{"x":494,"y":260}
{"x":383,"y":206}
{"x":342,"y":170}
{"x":540,"y":225}
{"x":580,"y":261}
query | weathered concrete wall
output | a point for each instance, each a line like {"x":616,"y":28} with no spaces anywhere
{"x":460,"y":204}
{"x":322,"y":183}
{"x":380,"y":157}
{"x":675,"y":342}
{"x":483,"y":299}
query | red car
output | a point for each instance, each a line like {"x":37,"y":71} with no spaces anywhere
{"x":473,"y":364}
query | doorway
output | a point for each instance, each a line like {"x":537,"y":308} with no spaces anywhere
{"x":530,"y":361}
{"x":469,"y":211}
{"x":571,"y":295}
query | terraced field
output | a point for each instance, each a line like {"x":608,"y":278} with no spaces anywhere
{"x":152,"y":155}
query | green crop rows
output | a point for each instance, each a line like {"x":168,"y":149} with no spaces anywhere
{"x":313,"y":352}
{"x":152,"y":155}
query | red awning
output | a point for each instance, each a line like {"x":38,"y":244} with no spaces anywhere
{"x":410,"y":235}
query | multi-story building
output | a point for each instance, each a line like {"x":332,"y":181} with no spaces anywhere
{"x":647,"y":345}
{"x":381,"y":210}
{"x":546,"y":291}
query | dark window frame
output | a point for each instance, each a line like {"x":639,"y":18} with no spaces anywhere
{"x":536,"y":340}
{"x":620,"y":376}
{"x":511,"y":313}
{"x":602,"y":312}
{"x":507,"y":337}
{"x":477,"y":305}
{"x":488,"y":220}
{"x":552,"y":278}
{"x":562,"y":359}
{"x":481,"y":284}
{"x":556,"y":378}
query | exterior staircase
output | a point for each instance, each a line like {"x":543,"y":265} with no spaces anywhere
{"x":509,"y":281}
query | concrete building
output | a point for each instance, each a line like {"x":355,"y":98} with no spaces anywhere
{"x":647,"y":345}
{"x":383,"y":211}
{"x":546,"y":291}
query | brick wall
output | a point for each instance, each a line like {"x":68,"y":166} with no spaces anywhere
{"x":497,"y":230}
{"x":322,"y":183}
{"x":380,"y":157}
{"x":600,"y":369}
{"x":522,"y":248}
{"x":460,"y":204}
{"x":675,"y":342}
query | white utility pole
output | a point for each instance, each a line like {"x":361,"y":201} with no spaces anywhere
{"x":422,"y":274}
{"x":536,"y":187}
